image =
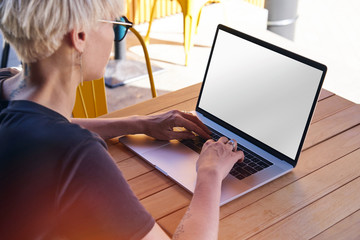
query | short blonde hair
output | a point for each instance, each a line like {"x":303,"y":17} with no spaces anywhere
{"x":35,"y":28}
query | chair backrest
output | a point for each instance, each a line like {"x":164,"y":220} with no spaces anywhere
{"x":90,"y":99}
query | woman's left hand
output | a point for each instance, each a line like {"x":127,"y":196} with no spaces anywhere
{"x":162,"y":126}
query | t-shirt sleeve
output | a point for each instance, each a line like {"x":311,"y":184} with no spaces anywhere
{"x":95,"y":201}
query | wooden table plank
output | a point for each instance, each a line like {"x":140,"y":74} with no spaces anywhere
{"x":330,"y":106}
{"x":133,"y":167}
{"x":150,"y":183}
{"x":310,"y":161}
{"x":325,"y":94}
{"x":119,"y":152}
{"x":318,"y":216}
{"x":159,"y":103}
{"x":292,"y":198}
{"x":347,"y":229}
{"x":167,"y":201}
{"x":170,"y":222}
{"x":324,"y":154}
{"x":332,"y":125}
{"x":188,"y":105}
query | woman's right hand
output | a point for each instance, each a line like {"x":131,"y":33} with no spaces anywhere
{"x":217,"y":158}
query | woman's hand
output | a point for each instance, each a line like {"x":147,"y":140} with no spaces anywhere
{"x":217,"y":158}
{"x":159,"y":126}
{"x":162,"y":126}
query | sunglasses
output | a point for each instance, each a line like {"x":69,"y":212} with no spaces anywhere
{"x":121,"y":27}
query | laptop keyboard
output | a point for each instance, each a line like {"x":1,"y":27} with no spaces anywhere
{"x":252,"y":162}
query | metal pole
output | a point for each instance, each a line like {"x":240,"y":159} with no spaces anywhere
{"x":282,"y":17}
{"x":120,"y":49}
{"x":119,"y":46}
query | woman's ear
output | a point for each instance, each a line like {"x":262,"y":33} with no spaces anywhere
{"x":77,"y":39}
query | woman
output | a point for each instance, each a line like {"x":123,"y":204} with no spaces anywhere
{"x":57,"y":180}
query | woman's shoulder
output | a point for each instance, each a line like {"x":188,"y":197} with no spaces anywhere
{"x":71,"y":134}
{"x":6,"y":73}
{"x":42,"y":126}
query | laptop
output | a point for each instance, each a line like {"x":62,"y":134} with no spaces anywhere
{"x":257,"y":93}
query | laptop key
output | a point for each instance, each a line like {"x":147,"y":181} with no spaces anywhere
{"x":245,"y":173}
{"x":241,"y":165}
{"x":252,"y":164}
{"x":246,"y":160}
{"x":266,"y":161}
{"x":250,"y":170}
{"x":240,"y":176}
{"x":263,"y":164}
{"x":234,"y":172}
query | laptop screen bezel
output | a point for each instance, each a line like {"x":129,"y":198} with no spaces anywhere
{"x":279,"y":50}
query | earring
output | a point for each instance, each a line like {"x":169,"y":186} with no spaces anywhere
{"x":81,"y":71}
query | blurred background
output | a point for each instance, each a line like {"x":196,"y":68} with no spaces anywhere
{"x":324,"y":30}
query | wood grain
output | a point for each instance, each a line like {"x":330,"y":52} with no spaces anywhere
{"x":159,"y":103}
{"x":347,"y":228}
{"x":332,"y":125}
{"x":134,"y":167}
{"x":329,"y":106}
{"x":150,"y":183}
{"x":167,"y":201}
{"x":318,"y":216}
{"x":325,"y":94}
{"x":119,"y":152}
{"x":290,"y":199}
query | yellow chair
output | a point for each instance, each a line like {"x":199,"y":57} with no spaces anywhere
{"x":191,"y":10}
{"x":91,"y":98}
{"x":258,"y":3}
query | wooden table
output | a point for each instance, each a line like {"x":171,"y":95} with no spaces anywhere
{"x":319,"y":199}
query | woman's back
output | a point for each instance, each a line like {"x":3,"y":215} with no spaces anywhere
{"x":50,"y":171}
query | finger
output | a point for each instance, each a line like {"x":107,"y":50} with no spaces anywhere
{"x":181,"y":135}
{"x":233,"y":144}
{"x":208,"y":142}
{"x":229,"y":145}
{"x":223,"y":140}
{"x":190,"y":126}
{"x":239,"y":155}
{"x":196,"y":120}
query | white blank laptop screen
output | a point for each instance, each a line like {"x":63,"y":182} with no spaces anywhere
{"x":260,"y":92}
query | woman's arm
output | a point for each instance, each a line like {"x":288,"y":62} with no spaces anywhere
{"x":201,"y":220}
{"x":159,"y":126}
{"x":112,"y":127}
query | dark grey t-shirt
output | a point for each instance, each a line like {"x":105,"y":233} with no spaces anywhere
{"x":58,"y":180}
